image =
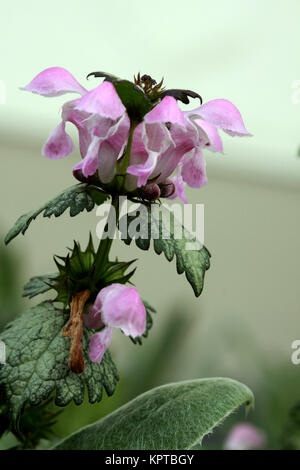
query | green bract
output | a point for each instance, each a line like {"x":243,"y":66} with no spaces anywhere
{"x":77,"y":272}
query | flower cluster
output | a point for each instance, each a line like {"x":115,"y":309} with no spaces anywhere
{"x":157,"y":154}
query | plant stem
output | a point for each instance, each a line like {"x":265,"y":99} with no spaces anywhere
{"x":105,"y":244}
{"x":124,"y":162}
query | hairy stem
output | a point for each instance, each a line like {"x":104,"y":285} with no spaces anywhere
{"x":105,"y":244}
{"x":125,"y":160}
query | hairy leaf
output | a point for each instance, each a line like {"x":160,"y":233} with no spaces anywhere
{"x":171,"y":238}
{"x":39,"y":285}
{"x":172,"y":417}
{"x":37,"y":363}
{"x":78,"y":198}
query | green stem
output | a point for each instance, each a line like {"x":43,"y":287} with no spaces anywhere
{"x":124,"y":163}
{"x":105,"y":244}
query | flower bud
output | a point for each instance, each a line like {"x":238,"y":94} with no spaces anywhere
{"x":167,"y":188}
{"x":79,"y":176}
{"x":151,"y":192}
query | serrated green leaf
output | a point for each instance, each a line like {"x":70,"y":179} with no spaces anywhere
{"x":149,"y":323}
{"x":37,"y":363}
{"x":77,"y":198}
{"x":154,"y":220}
{"x":38,"y":285}
{"x":172,"y":417}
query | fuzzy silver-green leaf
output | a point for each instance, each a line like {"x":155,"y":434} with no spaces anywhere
{"x":172,"y":417}
{"x":37,"y":363}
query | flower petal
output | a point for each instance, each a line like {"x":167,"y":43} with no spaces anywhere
{"x":193,"y":170}
{"x":54,"y":81}
{"x":143,"y":171}
{"x":99,"y":343}
{"x":119,"y":136}
{"x":79,"y":119}
{"x":107,"y":144}
{"x":166,"y":111}
{"x":223,"y":114}
{"x":89,"y":164}
{"x":107,"y":162}
{"x":59,"y":143}
{"x":156,"y":139}
{"x":184,"y":140}
{"x":209,"y":135}
{"x":122,"y":308}
{"x":102,"y":100}
{"x":113,"y":146}
{"x":179,"y":187}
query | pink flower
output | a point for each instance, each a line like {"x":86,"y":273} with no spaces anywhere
{"x":99,"y":116}
{"x":244,"y":436}
{"x":167,"y":144}
{"x":116,"y":306}
{"x":170,"y":140}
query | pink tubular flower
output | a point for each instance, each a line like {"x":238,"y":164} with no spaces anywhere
{"x":244,"y":436}
{"x":116,"y":306}
{"x":99,"y":116}
{"x":176,"y":142}
{"x":167,"y":143}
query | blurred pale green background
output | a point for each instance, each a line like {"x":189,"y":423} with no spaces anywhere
{"x":246,"y":51}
